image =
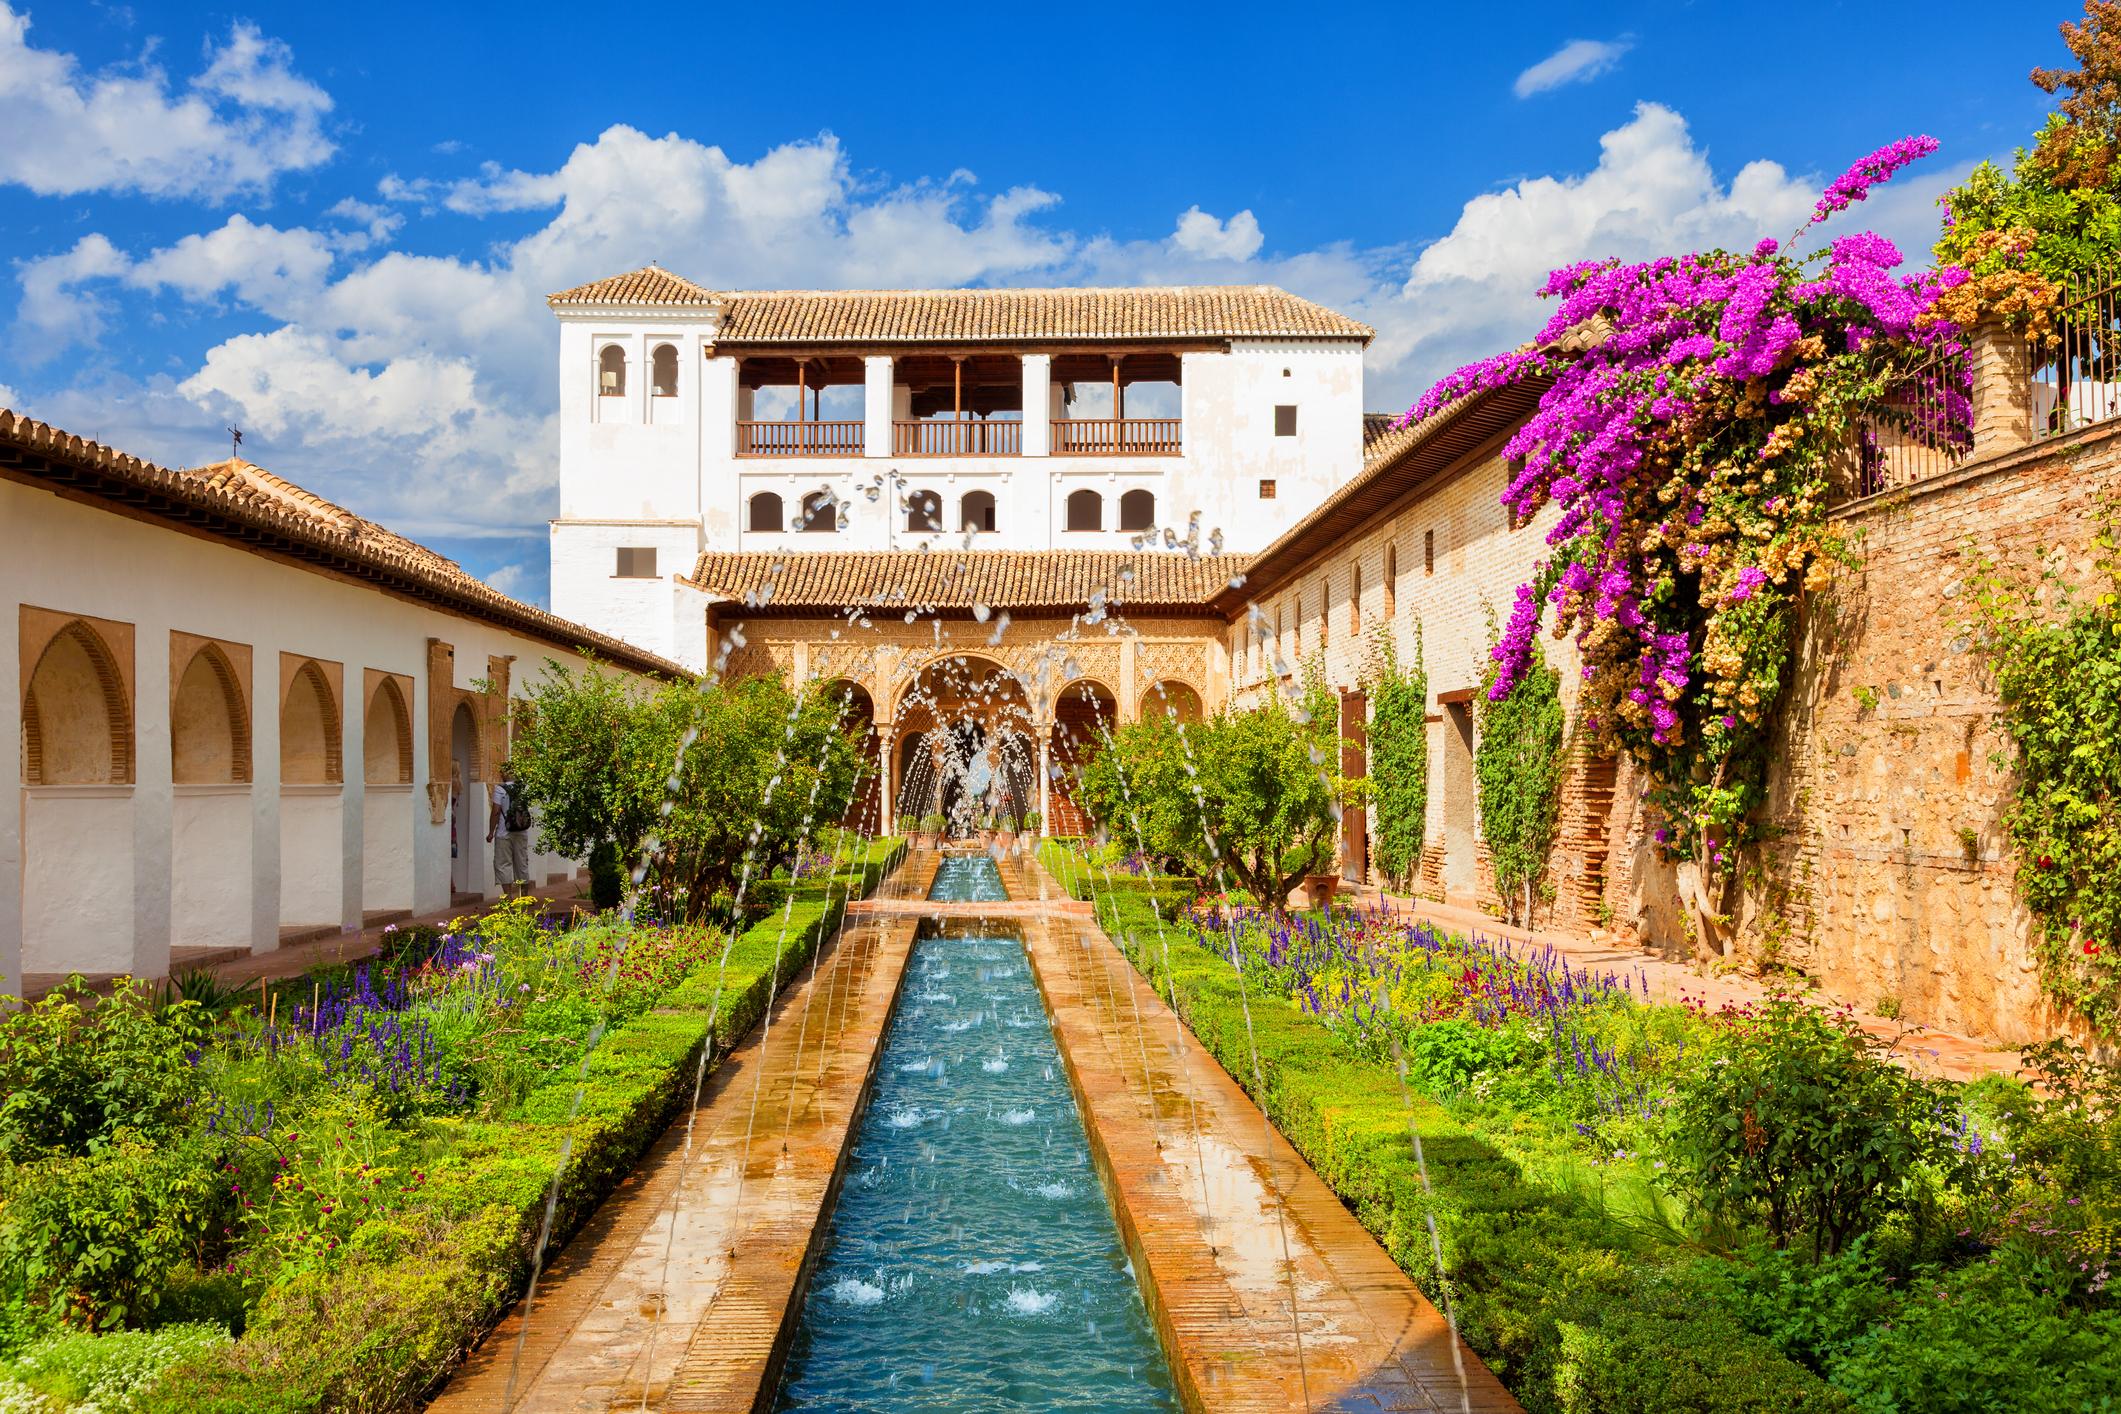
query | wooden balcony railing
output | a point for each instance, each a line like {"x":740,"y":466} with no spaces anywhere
{"x":799,"y":439}
{"x":1116,"y":436}
{"x":970,"y":437}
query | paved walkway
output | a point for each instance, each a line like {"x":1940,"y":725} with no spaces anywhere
{"x":680,"y":1292}
{"x":1218,"y":1212}
{"x":1942,"y":1053}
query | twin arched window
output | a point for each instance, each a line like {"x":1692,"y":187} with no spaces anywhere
{"x":924,"y":511}
{"x":976,"y":511}
{"x":1137,"y":510}
{"x":611,"y":371}
{"x":1086,"y":510}
{"x":766,"y":514}
{"x":663,"y":371}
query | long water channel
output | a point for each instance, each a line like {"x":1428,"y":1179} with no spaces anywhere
{"x":972,"y":1262}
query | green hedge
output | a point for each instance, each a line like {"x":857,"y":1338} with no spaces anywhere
{"x":1572,"y":1311}
{"x":385,"y":1326}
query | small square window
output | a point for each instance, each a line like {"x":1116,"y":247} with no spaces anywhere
{"x":1266,"y":489}
{"x":1285,"y":419}
{"x":636,"y":562}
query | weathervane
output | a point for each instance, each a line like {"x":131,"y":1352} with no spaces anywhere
{"x":235,"y":442}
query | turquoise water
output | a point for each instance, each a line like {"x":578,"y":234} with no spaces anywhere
{"x":968,"y":878}
{"x":972,"y":1263}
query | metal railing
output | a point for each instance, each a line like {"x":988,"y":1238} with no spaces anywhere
{"x":1117,"y":436}
{"x":959,"y":437}
{"x":799,"y":439}
{"x":1922,"y":427}
{"x":2076,"y":376}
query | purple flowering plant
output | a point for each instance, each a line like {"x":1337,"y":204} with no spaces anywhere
{"x":1698,"y":410}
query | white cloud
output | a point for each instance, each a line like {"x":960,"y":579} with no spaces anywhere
{"x":244,"y":120}
{"x":9,"y":398}
{"x":54,"y":313}
{"x":1578,"y":61}
{"x":516,"y":580}
{"x":1200,"y":234}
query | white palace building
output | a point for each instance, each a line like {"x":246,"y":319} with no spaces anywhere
{"x":810,"y":421}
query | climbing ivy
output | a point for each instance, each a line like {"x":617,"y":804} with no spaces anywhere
{"x":1399,"y":757}
{"x":2054,"y":650}
{"x":1518,"y":764}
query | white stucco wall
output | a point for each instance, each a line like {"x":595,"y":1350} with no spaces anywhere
{"x":210,"y":866}
{"x":387,"y":847}
{"x":77,"y":879}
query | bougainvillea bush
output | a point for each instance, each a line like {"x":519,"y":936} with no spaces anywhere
{"x":1700,"y":410}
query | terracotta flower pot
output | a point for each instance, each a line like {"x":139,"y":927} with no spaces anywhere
{"x":1320,"y":888}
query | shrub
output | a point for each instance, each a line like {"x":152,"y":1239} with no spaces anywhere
{"x":1798,"y":1120}
{"x":76,"y":1068}
{"x":92,"y":1239}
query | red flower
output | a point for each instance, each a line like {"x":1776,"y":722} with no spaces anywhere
{"x":2091,"y":949}
{"x":2047,"y":861}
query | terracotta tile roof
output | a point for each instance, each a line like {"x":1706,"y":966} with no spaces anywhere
{"x":651,"y":284}
{"x":982,"y":316}
{"x":246,"y":505}
{"x":1376,"y":426}
{"x":940,"y":579}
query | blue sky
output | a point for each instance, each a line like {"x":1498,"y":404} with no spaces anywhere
{"x":333,"y":225}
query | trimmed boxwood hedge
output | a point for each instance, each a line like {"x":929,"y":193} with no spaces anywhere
{"x":384,"y":1327}
{"x":1573,"y":1312}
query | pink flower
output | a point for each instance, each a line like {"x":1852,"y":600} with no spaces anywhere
{"x":1855,"y":184}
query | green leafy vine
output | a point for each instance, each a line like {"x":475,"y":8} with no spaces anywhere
{"x":1399,"y":758}
{"x":1518,"y":764}
{"x":2054,"y":649}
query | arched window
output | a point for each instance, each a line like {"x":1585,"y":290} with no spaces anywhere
{"x":1391,"y":582}
{"x":209,"y":729}
{"x":820,"y":515}
{"x":1137,"y":510}
{"x":309,"y":730}
{"x":76,"y":721}
{"x":976,"y":511}
{"x":924,"y":511}
{"x":1086,"y":510}
{"x":663,"y":371}
{"x":386,"y":737}
{"x":1355,"y":601}
{"x":611,"y":371}
{"x":765,"y":513}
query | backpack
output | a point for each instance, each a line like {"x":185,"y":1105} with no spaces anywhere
{"x":517,"y":816}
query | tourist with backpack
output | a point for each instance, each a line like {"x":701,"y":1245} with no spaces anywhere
{"x":511,"y":817}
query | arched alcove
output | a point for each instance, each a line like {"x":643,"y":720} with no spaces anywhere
{"x":1172,"y":699}
{"x":765,"y":514}
{"x":976,"y":511}
{"x":76,"y":721}
{"x":611,"y":371}
{"x":386,"y":737}
{"x":1137,"y":510}
{"x":1086,"y":510}
{"x":663,"y":371}
{"x":309,"y":729}
{"x":924,"y":511}
{"x":209,"y":724}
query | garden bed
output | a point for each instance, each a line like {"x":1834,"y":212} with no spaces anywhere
{"x":351,"y":1182}
{"x":1545,"y":1101}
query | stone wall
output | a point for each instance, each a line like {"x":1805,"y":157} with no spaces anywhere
{"x":1893,"y":876}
